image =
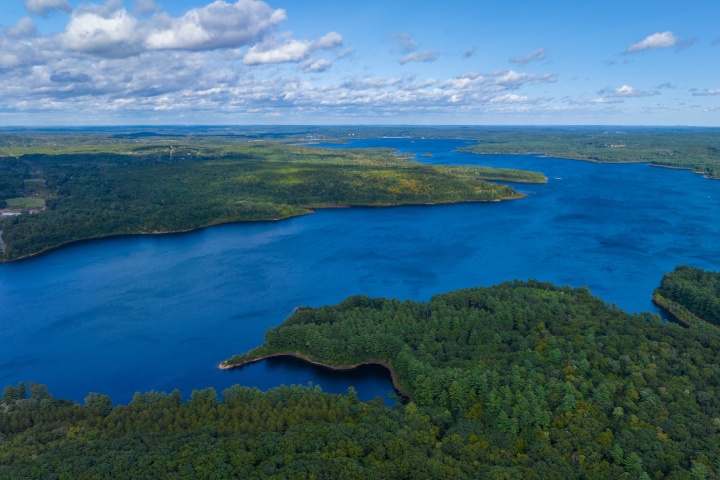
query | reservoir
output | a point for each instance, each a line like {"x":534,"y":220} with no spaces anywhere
{"x":136,"y":313}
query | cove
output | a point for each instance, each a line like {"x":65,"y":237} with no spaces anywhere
{"x":137,"y":313}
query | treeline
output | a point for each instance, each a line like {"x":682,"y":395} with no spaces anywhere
{"x":541,"y":381}
{"x":691,"y":293}
{"x":288,"y":432}
{"x":692,"y":149}
{"x":157,"y":189}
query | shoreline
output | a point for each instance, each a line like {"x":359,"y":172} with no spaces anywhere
{"x":311,"y":210}
{"x":393,"y":375}
{"x":560,"y":157}
{"x":668,"y":310}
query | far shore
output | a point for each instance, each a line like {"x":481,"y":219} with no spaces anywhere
{"x":393,"y":375}
{"x":591,"y":160}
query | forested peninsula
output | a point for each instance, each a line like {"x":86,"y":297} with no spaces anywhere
{"x":55,"y":195}
{"x":519,"y":380}
{"x":691,"y":295}
{"x":693,"y":149}
{"x":533,"y":380}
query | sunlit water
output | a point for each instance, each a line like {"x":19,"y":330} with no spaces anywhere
{"x":136,"y":313}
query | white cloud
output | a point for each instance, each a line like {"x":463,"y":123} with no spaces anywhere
{"x":626,"y":91}
{"x":24,"y":28}
{"x":315,"y":65}
{"x":656,"y":40}
{"x":707,"y":91}
{"x":328,"y":41}
{"x":110,"y":31}
{"x":511,"y":98}
{"x":290,"y":51}
{"x":8,"y":60}
{"x":419,"y":57}
{"x":43,"y":7}
{"x":535,"y":55}
{"x":218,"y":25}
{"x":270,"y":51}
{"x":513,"y":80}
{"x":103,"y":32}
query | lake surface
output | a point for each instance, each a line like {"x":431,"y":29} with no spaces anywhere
{"x":137,"y":313}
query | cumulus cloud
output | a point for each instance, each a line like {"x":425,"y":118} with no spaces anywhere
{"x":289,"y":51}
{"x":24,"y":28}
{"x":535,"y":55}
{"x":104,"y":32}
{"x":707,"y":91}
{"x":218,"y":25}
{"x":111,"y":31}
{"x":44,"y":7}
{"x":419,"y":57}
{"x":328,"y":41}
{"x":626,"y":91}
{"x":654,"y":41}
{"x":268,"y":52}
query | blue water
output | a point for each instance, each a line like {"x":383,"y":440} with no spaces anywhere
{"x":136,"y":313}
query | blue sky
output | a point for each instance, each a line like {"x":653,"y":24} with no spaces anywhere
{"x":114,"y":62}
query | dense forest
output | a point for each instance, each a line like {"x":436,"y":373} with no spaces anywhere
{"x":690,"y":294}
{"x":693,"y":149}
{"x":96,"y":190}
{"x":546,"y":382}
{"x":518,"y":380}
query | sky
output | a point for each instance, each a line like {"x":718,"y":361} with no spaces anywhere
{"x":455,"y":62}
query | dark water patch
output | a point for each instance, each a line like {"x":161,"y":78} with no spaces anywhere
{"x":370,"y":381}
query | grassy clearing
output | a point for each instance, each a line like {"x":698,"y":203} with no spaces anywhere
{"x":25,"y":203}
